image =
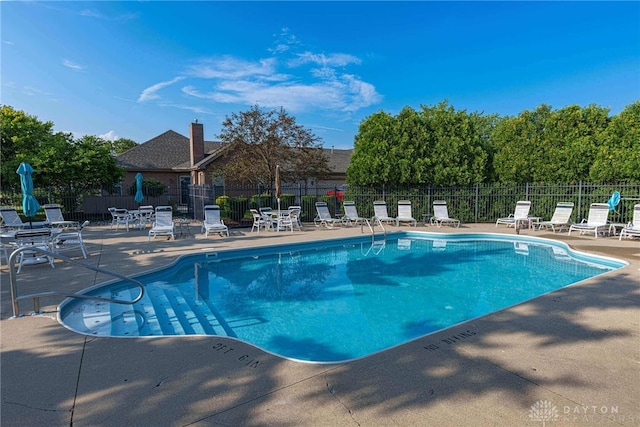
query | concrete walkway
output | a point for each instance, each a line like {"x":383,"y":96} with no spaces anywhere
{"x":571,"y":357}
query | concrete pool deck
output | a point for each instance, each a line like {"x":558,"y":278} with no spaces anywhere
{"x":571,"y":357}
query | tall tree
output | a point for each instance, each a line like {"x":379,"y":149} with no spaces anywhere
{"x":57,"y":159}
{"x":618,"y":158}
{"x":436,"y":145}
{"x":121,"y":145}
{"x":259,"y":140}
{"x":549,"y":146}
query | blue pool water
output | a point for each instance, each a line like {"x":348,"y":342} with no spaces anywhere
{"x":336,"y":300}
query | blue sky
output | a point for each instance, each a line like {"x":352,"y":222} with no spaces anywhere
{"x":136,"y":69}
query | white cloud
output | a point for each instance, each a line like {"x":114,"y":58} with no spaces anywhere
{"x":229,"y":67}
{"x":318,"y":82}
{"x":331,"y":60}
{"x":73,"y":65}
{"x":109,"y":136}
{"x":150,"y":93}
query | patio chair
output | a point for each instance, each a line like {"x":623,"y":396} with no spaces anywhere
{"x":380,"y":212}
{"x":561,"y":217}
{"x":70,"y":240}
{"x":441,"y":214}
{"x":10,"y":218}
{"x":56,"y":219}
{"x":633,"y":228}
{"x":37,"y":238}
{"x":294,"y":214}
{"x":404,"y":213}
{"x":323,"y":217}
{"x":351,"y":216}
{"x":146,"y":215}
{"x":119,"y":217}
{"x":288,"y":219}
{"x":269,"y":216}
{"x":520,"y":215}
{"x":212,"y":222}
{"x":595,"y":222}
{"x":163,"y":225}
{"x":258,"y":221}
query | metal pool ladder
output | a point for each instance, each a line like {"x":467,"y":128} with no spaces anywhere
{"x":36,"y":297}
{"x":372,"y":225}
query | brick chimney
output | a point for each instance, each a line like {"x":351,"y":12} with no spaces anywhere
{"x":196,"y":142}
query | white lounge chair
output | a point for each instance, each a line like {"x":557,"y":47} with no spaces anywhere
{"x":633,"y":228}
{"x":561,"y":217}
{"x":404,"y":213}
{"x":56,"y":219}
{"x":441,"y":214}
{"x":163,"y":225}
{"x":70,"y":240}
{"x":37,"y":238}
{"x":10,"y":218}
{"x":596,"y":222}
{"x":519,"y":216}
{"x":323,"y":217}
{"x":351,"y":216}
{"x":212,"y":222}
{"x":380,"y":212}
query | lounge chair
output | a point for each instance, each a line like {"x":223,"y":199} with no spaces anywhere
{"x":163,"y":225}
{"x":380,"y":212}
{"x":70,"y":240}
{"x":10,"y":218}
{"x":633,"y":228}
{"x":441,"y":214}
{"x":56,"y":219}
{"x":561,"y":217}
{"x":212,"y":222}
{"x":404,"y":213}
{"x":37,"y":238}
{"x":519,"y":216}
{"x":597,"y":220}
{"x":324,"y":218}
{"x":351,"y":216}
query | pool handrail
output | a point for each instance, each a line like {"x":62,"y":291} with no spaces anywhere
{"x":36,"y":297}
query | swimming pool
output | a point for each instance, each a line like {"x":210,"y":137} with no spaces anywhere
{"x":337,"y":300}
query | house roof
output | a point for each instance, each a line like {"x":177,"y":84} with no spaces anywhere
{"x":167,"y":151}
{"x":338,"y":159}
{"x":171,"y":151}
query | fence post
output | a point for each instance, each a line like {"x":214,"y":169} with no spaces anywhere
{"x":579,"y":201}
{"x":477,"y":202}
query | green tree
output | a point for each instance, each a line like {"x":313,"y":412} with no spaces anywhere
{"x":437,"y":145}
{"x":57,"y":159}
{"x":121,"y":145}
{"x":370,"y":163}
{"x":618,"y":158}
{"x":259,"y":140}
{"x":548,"y":146}
{"x":22,"y":136}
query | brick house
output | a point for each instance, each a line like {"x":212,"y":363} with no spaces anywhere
{"x":178,"y":161}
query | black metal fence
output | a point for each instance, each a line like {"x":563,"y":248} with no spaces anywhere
{"x":473,"y":204}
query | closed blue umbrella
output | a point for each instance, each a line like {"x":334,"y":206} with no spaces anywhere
{"x":30,"y":205}
{"x":614,"y":200}
{"x":139,"y":196}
